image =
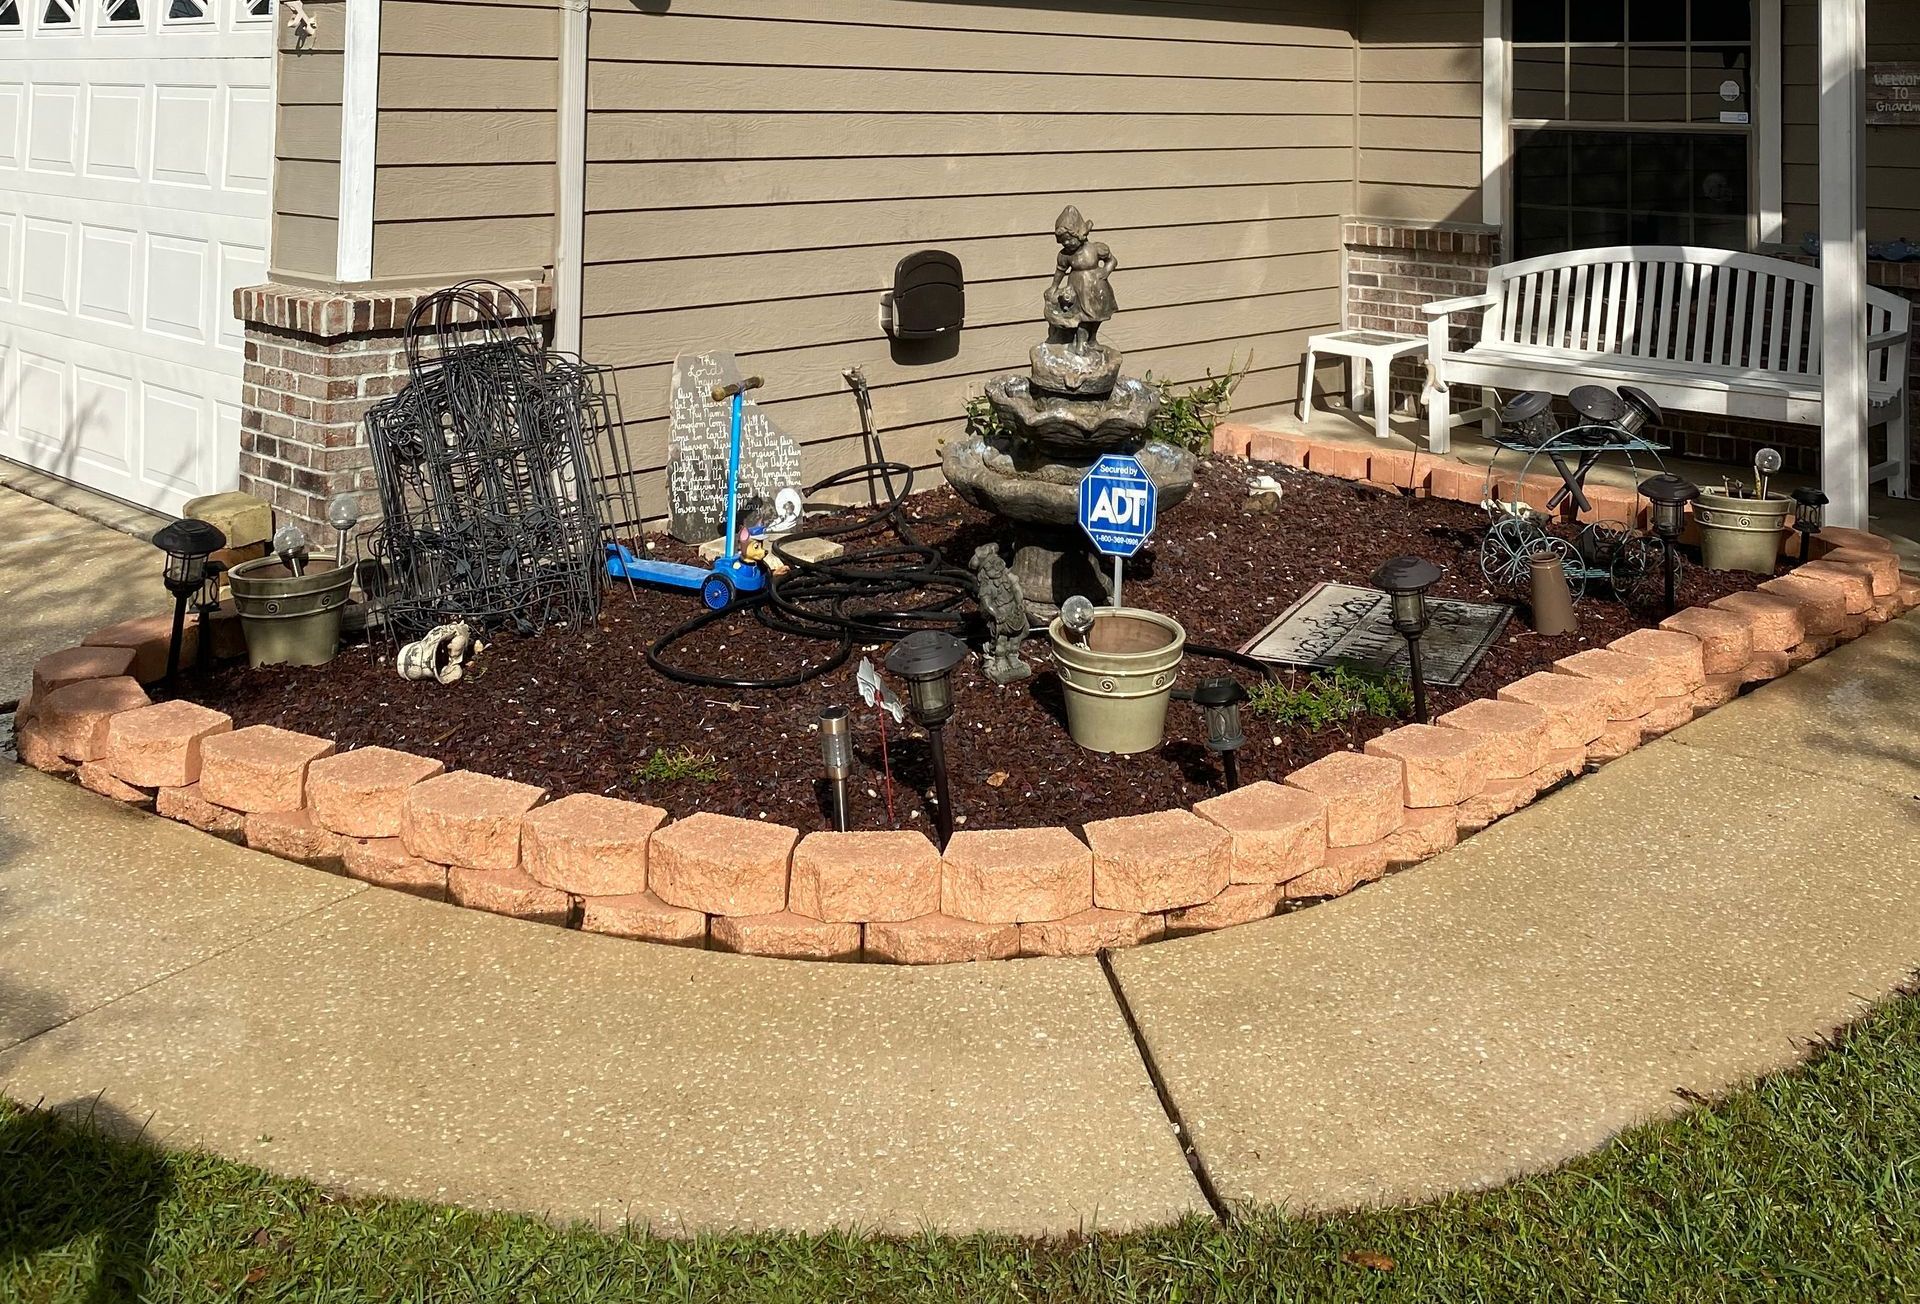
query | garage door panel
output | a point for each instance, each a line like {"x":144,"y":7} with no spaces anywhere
{"x":12,"y":122}
{"x":136,"y":160}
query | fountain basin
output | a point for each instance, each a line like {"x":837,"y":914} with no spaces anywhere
{"x":1076,"y":427}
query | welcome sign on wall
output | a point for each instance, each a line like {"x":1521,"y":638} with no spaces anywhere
{"x":1893,"y":95}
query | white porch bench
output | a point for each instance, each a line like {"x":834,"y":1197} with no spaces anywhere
{"x":1701,"y":330}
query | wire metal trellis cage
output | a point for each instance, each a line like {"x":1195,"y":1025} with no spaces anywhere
{"x":490,"y":465}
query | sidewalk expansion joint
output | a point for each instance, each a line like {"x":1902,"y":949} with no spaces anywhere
{"x":1202,"y":1178}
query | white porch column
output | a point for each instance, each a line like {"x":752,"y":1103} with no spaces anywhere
{"x":571,"y":160}
{"x":359,"y":119}
{"x":1843,"y":258}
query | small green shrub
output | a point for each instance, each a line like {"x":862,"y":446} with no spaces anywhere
{"x":1186,"y":419}
{"x":1332,"y":697}
{"x":681,"y":765}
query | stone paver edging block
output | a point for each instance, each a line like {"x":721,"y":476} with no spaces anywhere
{"x":623,"y":869}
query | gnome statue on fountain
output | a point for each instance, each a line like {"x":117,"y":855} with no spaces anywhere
{"x":1054,"y":422}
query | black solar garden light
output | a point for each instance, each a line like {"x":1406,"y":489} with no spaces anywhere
{"x":927,"y":660}
{"x":1406,"y":580}
{"x":1219,"y":701}
{"x":188,"y":544}
{"x":1669,"y":495}
{"x":1809,"y":516}
{"x":205,"y":607}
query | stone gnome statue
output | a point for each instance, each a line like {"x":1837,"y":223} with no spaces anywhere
{"x":1004,"y":608}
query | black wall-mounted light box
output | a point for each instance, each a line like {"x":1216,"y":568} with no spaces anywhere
{"x":928,"y":299}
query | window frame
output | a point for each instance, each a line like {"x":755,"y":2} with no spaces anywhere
{"x":1501,"y":130}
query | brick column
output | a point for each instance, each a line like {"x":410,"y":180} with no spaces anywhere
{"x":1392,"y":269}
{"x":316,"y":359}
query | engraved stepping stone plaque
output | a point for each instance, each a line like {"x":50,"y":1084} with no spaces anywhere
{"x":1344,"y":625}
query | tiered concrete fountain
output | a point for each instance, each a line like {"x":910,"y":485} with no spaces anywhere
{"x":1070,"y":408}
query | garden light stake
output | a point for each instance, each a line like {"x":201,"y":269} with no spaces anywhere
{"x":188,"y":544}
{"x":1406,"y":580}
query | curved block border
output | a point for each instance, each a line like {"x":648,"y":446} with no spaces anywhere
{"x":626,"y":869}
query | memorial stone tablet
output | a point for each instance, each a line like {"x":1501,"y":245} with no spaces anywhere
{"x":1341,"y":625}
{"x":697,"y":452}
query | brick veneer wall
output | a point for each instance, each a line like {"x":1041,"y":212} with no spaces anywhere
{"x":316,"y":360}
{"x":1393,"y":269}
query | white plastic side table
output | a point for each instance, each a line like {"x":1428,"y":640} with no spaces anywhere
{"x":1362,"y":350}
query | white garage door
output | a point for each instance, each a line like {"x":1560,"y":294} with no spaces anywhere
{"x":136,"y":151}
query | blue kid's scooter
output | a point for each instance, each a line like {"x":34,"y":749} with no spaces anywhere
{"x":737,"y":570}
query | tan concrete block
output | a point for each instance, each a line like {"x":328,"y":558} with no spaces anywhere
{"x":1718,"y":691}
{"x":783,"y":935}
{"x":1629,"y":679}
{"x":1620,"y":738}
{"x":1458,"y":482}
{"x":1668,"y":714}
{"x":644,"y":917}
{"x":148,"y":637}
{"x":1679,"y":658}
{"x":358,"y":794}
{"x":37,"y":746}
{"x":1346,"y":869}
{"x":1089,"y":932}
{"x":1881,"y":568}
{"x":1426,"y":833}
{"x":507,"y":892}
{"x":1501,"y":799}
{"x":1278,"y":833}
{"x":1765,"y":666}
{"x":1855,"y":582}
{"x":1577,"y":709}
{"x":243,"y":518}
{"x":1726,"y":637}
{"x":1006,"y":876}
{"x":292,"y":835}
{"x":259,"y":768}
{"x":71,"y":665}
{"x":158,"y":746}
{"x":467,"y":819}
{"x":722,"y":865}
{"x":589,"y":845}
{"x":385,"y":862}
{"x":189,"y":807}
{"x":96,"y":777}
{"x":1279,"y":446}
{"x":1512,"y":736}
{"x":1157,"y":862}
{"x":1400,"y":468}
{"x":940,"y":939}
{"x":1443,"y":767}
{"x":1612,"y":504}
{"x":1364,"y":795}
{"x":865,"y":877}
{"x":1851,"y":627}
{"x":1341,"y":461}
{"x":1838,"y":536}
{"x":1230,"y":439}
{"x":1790,"y":605}
{"x":76,"y":720}
{"x":1908,"y":597}
{"x":1238,"y":903}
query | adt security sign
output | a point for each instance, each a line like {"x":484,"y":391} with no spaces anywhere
{"x":1118,"y":500}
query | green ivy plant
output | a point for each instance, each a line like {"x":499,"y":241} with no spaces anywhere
{"x":1327,"y":698}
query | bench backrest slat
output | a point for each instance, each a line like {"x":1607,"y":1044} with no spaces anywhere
{"x":1671,"y":303}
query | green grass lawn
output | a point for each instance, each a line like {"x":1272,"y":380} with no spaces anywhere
{"x":1802,"y":1188}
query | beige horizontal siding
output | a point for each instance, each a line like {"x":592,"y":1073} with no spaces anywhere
{"x":756,"y":168}
{"x":464,"y":178}
{"x":306,"y":176}
{"x":1893,"y":153}
{"x":1419,"y":70}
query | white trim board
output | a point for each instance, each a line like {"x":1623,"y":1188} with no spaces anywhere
{"x":359,"y":122}
{"x":570,"y":154}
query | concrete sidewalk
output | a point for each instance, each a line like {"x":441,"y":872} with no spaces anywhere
{"x":1684,"y":919}
{"x":62,"y":577}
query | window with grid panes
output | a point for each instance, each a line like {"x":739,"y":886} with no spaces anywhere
{"x":1631,"y":123}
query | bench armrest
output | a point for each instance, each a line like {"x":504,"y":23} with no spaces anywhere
{"x":1887,"y":339}
{"x":1449,"y":307}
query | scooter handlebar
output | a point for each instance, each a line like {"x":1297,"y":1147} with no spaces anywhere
{"x":721,"y":393}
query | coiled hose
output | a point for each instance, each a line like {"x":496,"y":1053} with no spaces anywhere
{"x":850,"y":600}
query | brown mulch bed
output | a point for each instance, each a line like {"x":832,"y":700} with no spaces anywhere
{"x":582,"y":712}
